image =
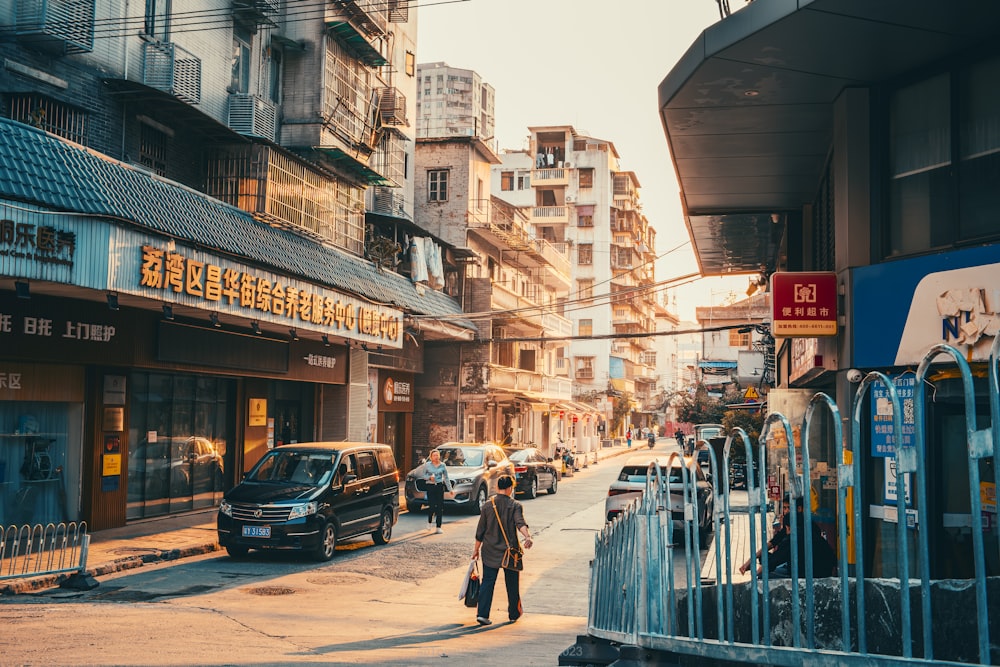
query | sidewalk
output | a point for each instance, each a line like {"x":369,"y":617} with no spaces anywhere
{"x":164,"y":539}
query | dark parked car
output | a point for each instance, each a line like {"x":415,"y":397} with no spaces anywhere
{"x":310,"y":495}
{"x":473,"y":469}
{"x":175,"y":466}
{"x":533,"y":470}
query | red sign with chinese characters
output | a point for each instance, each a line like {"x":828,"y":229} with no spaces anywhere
{"x":804,"y":304}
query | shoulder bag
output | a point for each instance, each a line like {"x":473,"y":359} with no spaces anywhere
{"x":512,"y":556}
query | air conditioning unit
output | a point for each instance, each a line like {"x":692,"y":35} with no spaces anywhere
{"x":570,"y":199}
{"x":568,"y":165}
{"x":252,"y":115}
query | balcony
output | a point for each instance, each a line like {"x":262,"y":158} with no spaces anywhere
{"x":550,"y":177}
{"x":368,"y":17}
{"x":505,"y":378}
{"x":168,"y":67}
{"x":550,"y":215}
{"x":530,"y":312}
{"x":56,"y":26}
{"x":359,"y":28}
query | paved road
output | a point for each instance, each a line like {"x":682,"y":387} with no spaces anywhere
{"x":393,"y":605}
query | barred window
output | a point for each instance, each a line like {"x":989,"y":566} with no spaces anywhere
{"x":46,"y":114}
{"x":153,"y":149}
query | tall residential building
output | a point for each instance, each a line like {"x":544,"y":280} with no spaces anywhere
{"x":579,"y":194}
{"x":453,"y":102}
{"x":202,"y":208}
{"x":510,"y":385}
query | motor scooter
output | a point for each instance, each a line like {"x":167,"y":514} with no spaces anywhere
{"x":651,"y":440}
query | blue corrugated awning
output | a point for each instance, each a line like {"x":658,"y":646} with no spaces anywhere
{"x":42,"y":169}
{"x":716,"y":364}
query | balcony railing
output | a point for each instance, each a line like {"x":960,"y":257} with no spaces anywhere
{"x":524,"y":309}
{"x":550,"y":215}
{"x":550,"y":177}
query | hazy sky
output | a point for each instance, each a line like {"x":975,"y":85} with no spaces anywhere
{"x":594,"y":65}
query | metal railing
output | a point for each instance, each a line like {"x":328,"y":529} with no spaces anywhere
{"x":31,"y":551}
{"x":637,"y":598}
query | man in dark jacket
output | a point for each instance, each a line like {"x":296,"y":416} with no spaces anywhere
{"x":824,"y":557}
{"x":500,"y":520}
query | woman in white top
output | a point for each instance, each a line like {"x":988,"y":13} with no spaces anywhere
{"x":436,"y":482}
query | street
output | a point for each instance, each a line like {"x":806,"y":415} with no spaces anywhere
{"x":391,"y":605}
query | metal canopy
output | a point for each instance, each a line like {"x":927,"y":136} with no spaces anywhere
{"x":748,"y":110}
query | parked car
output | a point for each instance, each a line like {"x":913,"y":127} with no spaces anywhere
{"x":473,"y":469}
{"x":631,"y":484}
{"x":175,"y":466}
{"x":737,"y":475}
{"x":309,"y":496}
{"x":533,"y":470}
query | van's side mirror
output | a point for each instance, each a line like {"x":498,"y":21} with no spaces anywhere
{"x":350,"y":478}
{"x":549,"y":460}
{"x":491,"y":464}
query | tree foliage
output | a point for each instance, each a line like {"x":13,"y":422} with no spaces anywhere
{"x":621,"y":411}
{"x":698,"y":407}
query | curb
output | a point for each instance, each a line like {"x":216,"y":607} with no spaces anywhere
{"x":34,"y":584}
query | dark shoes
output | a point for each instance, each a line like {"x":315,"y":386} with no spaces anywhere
{"x":514,"y":618}
{"x":483,"y":621}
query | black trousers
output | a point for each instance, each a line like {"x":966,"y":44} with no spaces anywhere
{"x":512,"y":579}
{"x":435,"y":502}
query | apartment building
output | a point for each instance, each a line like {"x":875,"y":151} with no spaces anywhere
{"x":203,"y":207}
{"x":453,"y":102}
{"x":509,"y":385}
{"x":579,"y":194}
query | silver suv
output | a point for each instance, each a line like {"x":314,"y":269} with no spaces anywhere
{"x":631,"y":484}
{"x":473,"y":469}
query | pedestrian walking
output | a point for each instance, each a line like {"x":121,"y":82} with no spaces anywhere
{"x":436,"y":482}
{"x":628,"y":438}
{"x":500,"y":521}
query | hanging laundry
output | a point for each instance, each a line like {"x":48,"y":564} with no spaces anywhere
{"x":418,"y":260}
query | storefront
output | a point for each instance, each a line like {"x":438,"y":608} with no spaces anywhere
{"x":390,"y":412}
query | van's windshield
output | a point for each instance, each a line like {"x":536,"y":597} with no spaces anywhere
{"x":291,"y":467}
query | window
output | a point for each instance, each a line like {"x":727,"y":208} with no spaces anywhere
{"x":587,"y":177}
{"x":523,"y":181}
{"x":49,"y":115}
{"x":944,"y":160}
{"x":157,"y":19}
{"x":274,"y":93}
{"x":437,"y":185}
{"x":585,"y":289}
{"x":366,"y":465}
{"x":153,"y":149}
{"x":584,"y":220}
{"x":506,"y":181}
{"x":240,"y":82}
{"x":737,"y":339}
{"x":585,"y":253}
{"x":585,"y":368}
{"x":585,"y":328}
{"x":411,"y":63}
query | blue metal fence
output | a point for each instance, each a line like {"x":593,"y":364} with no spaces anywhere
{"x":30,"y":551}
{"x":638,"y":599}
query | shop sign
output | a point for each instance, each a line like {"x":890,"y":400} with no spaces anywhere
{"x":396,"y":391}
{"x":43,"y":244}
{"x":256,"y":294}
{"x":45,"y":327}
{"x":257,"y":414}
{"x":804,"y":304}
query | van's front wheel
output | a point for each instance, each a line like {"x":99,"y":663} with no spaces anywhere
{"x":327,"y":543}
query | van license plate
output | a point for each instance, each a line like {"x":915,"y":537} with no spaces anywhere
{"x":256,"y":531}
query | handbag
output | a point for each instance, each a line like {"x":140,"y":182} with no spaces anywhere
{"x":512,"y":555}
{"x":473,"y":586}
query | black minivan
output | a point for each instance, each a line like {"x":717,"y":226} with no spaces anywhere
{"x":308,"y":496}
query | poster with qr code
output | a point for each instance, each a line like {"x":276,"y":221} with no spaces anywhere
{"x":883,"y":438}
